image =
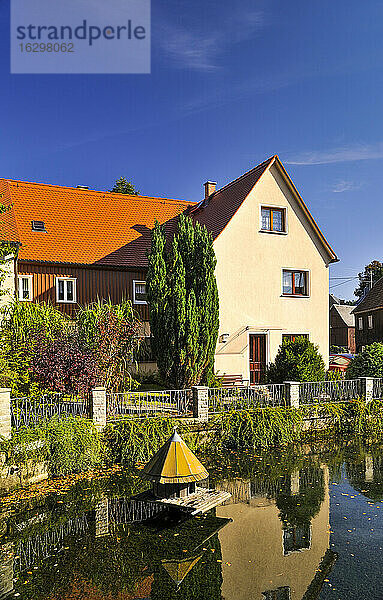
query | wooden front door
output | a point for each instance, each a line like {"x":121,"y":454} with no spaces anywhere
{"x":257,"y":358}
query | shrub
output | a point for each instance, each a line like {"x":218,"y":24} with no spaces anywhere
{"x":297,"y":360}
{"x":368,"y":363}
{"x":61,"y":365}
{"x":67,"y":446}
{"x":134,"y":441}
{"x":112,"y":334}
{"x":74,"y":445}
{"x":23,"y":326}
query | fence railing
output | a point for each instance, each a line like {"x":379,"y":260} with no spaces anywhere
{"x":148,"y":404}
{"x":330,"y":391}
{"x":30,"y":411}
{"x":235,"y":398}
{"x":377,"y":388}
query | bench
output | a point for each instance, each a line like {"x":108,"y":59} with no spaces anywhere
{"x":232,"y":381}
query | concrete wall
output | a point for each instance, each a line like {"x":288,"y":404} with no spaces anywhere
{"x":249,"y":277}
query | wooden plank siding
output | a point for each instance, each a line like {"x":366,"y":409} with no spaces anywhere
{"x":93,"y":282}
{"x":367,"y":336}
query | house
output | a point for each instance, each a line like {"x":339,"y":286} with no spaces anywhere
{"x":369,"y":317}
{"x":342,"y":327}
{"x":272,"y":259}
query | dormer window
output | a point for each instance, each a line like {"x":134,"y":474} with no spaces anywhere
{"x":38,"y":226}
{"x":273,"y":219}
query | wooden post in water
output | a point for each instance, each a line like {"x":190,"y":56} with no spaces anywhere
{"x":5,"y":413}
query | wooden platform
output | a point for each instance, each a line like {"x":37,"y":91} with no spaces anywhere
{"x":198,"y":503}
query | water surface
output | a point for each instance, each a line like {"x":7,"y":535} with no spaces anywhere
{"x":300,"y":526}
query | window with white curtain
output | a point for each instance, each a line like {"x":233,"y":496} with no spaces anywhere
{"x":66,"y":289}
{"x":139,"y":292}
{"x":25,"y":287}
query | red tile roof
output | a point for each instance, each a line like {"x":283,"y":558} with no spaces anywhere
{"x":221,"y":206}
{"x":82,"y":226}
{"x":90,"y":227}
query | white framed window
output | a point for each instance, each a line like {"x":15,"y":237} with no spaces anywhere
{"x":139,"y":292}
{"x":370,"y":323}
{"x":273,"y":219}
{"x":66,"y":289}
{"x":295,"y":283}
{"x":360,"y":323}
{"x":25,"y":287}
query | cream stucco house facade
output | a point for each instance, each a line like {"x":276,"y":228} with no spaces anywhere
{"x":272,"y":269}
{"x":77,"y":245}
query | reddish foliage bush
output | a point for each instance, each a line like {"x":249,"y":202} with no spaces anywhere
{"x":61,"y":365}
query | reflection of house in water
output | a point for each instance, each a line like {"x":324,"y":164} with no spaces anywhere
{"x":366,"y":476}
{"x":278,"y":539}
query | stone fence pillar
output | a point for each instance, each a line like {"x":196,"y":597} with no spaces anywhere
{"x":98,"y":407}
{"x":292,"y":393}
{"x":102,"y":517}
{"x":5,"y":413}
{"x":200,"y":403}
{"x":367,"y":388}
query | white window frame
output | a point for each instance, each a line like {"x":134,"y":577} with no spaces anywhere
{"x":360,"y":323}
{"x":370,"y":322}
{"x":273,"y":207}
{"x":66,"y":301}
{"x":308,"y":282}
{"x":135,"y":301}
{"x":20,"y":288}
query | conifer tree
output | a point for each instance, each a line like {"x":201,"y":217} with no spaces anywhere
{"x":123,"y":186}
{"x":183,"y":302}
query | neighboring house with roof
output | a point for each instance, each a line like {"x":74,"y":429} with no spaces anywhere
{"x":272,"y":259}
{"x":369,"y":317}
{"x":342,"y":327}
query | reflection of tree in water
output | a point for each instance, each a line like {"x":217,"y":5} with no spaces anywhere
{"x":298,"y":509}
{"x":131,"y":559}
{"x":366,"y":475}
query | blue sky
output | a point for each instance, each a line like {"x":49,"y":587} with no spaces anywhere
{"x":231,"y":84}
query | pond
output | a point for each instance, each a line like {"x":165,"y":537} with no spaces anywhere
{"x":300,"y":525}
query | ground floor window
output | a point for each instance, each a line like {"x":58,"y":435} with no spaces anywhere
{"x":139,"y":292}
{"x":291,"y":337}
{"x":66,"y":289}
{"x":25,"y":285}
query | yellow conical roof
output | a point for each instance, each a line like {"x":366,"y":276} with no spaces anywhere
{"x":174,"y":463}
{"x":178,"y":569}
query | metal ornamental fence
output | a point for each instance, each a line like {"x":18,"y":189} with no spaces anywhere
{"x":199,"y":402}
{"x":330,"y":391}
{"x":30,"y":411}
{"x":148,"y":404}
{"x":236,"y":397}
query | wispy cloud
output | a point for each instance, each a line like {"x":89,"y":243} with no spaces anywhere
{"x":201,"y":50}
{"x":345,"y":186}
{"x":350,"y":153}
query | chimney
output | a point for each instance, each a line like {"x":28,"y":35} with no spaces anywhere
{"x":209,"y":188}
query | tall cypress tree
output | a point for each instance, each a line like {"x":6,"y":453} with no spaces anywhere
{"x":183,"y":303}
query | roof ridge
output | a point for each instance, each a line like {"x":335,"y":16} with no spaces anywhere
{"x":245,"y":174}
{"x":66,"y":187}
